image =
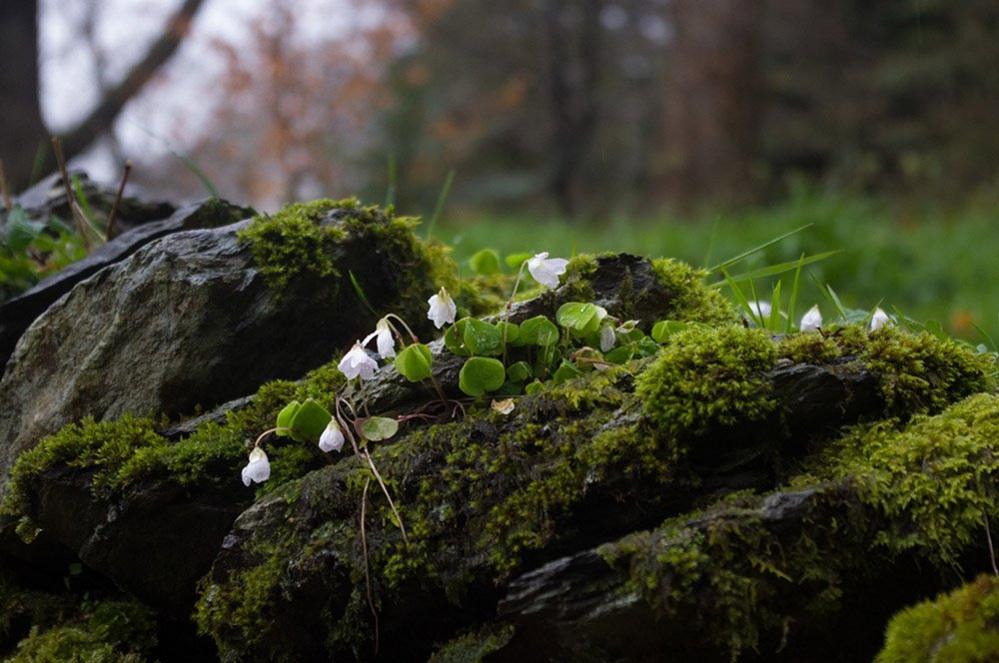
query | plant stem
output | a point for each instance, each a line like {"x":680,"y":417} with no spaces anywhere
{"x":367,"y":572}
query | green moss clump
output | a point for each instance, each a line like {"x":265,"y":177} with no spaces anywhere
{"x":809,"y":348}
{"x":960,"y":627}
{"x":691,"y":299}
{"x":292,"y":241}
{"x":106,"y":632}
{"x":933,"y":481}
{"x":129,"y":451}
{"x":704,"y":378}
{"x":474,"y":647}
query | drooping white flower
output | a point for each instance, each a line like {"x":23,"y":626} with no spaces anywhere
{"x":546,"y":270}
{"x":812,"y":319}
{"x":880,"y":319}
{"x":760,"y":309}
{"x":442,"y":309}
{"x":332,"y":438}
{"x":383,"y":339}
{"x":258,"y":469}
{"x":357,"y":362}
{"x":607,"y":338}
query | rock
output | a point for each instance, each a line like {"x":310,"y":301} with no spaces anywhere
{"x":18,"y":313}
{"x":190,"y":321}
{"x":307,"y":530}
{"x":48,"y":198}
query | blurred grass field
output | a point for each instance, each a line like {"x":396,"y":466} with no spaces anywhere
{"x":935,"y":265}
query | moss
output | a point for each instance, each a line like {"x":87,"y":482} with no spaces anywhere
{"x":474,"y":647}
{"x":959,"y":627}
{"x":105,"y":632}
{"x":691,"y":298}
{"x":933,"y":480}
{"x":128,"y":452}
{"x":707,"y":377}
{"x":293,"y":242}
{"x":809,"y":348}
{"x":21,"y":608}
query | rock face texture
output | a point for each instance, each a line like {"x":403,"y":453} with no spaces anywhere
{"x":18,"y":313}
{"x":188,"y":321}
{"x":727,"y":495}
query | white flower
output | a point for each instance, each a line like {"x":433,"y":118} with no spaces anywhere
{"x":383,"y":339}
{"x":760,"y":309}
{"x":258,"y":470}
{"x":357,"y":362}
{"x":332,"y":437}
{"x":812,"y":320}
{"x":880,"y":319}
{"x":442,"y":309}
{"x":607,"y":338}
{"x":546,"y":270}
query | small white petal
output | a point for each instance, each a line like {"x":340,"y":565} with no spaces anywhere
{"x":258,"y":469}
{"x":760,"y":309}
{"x":812,"y":320}
{"x":880,"y":319}
{"x":607,"y":338}
{"x":546,"y":270}
{"x":384,"y":340}
{"x":332,"y":438}
{"x":356,"y":363}
{"x":442,"y":309}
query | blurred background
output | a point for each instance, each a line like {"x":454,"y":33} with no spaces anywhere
{"x":692,"y":128}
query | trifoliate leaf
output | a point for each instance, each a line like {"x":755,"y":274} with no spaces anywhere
{"x":538,"y":330}
{"x":309,"y":421}
{"x":482,"y":338}
{"x":415,"y":362}
{"x":480,"y":375}
{"x":379,"y":428}
{"x":519,"y":372}
{"x":485,"y":262}
{"x":580,"y":317}
{"x":285,"y":416}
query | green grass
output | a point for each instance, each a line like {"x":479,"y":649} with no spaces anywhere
{"x":936,"y":266}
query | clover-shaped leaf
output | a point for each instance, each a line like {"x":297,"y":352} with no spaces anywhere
{"x":485,"y":262}
{"x":379,"y":428}
{"x":482,"y":338}
{"x":538,"y":330}
{"x":303,"y":421}
{"x":662,"y":330}
{"x":480,"y":375}
{"x":415,"y":362}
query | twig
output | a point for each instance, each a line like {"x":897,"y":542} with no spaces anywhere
{"x":117,"y":200}
{"x":8,"y":202}
{"x":992,"y":550}
{"x":367,"y":572}
{"x":79,"y":217}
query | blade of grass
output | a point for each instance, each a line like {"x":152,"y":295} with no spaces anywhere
{"x":186,"y":160}
{"x":756,"y":249}
{"x":441,"y":200}
{"x":792,"y":305}
{"x":360,"y":292}
{"x":775,"y":306}
{"x":781,"y":268}
{"x":740,"y":298}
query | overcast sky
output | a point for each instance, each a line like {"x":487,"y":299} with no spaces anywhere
{"x":176,"y":98}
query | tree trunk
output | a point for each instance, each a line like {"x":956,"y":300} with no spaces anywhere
{"x":712,"y":98}
{"x":22,"y":131}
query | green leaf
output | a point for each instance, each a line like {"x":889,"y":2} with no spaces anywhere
{"x":414,"y":362}
{"x":566,"y":371}
{"x":485,"y":262}
{"x":510,"y":332}
{"x":534,"y":387}
{"x":309,"y":421}
{"x":454,"y":338}
{"x":663,"y":329}
{"x":379,"y":428}
{"x":480,"y":375}
{"x":482,"y":338}
{"x":515,"y":260}
{"x":620,"y":354}
{"x":285,"y":417}
{"x":581,"y":317}
{"x":519,"y":372}
{"x":21,"y":231}
{"x":538,"y":330}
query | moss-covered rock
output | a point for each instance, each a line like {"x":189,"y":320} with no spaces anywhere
{"x":959,"y":627}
